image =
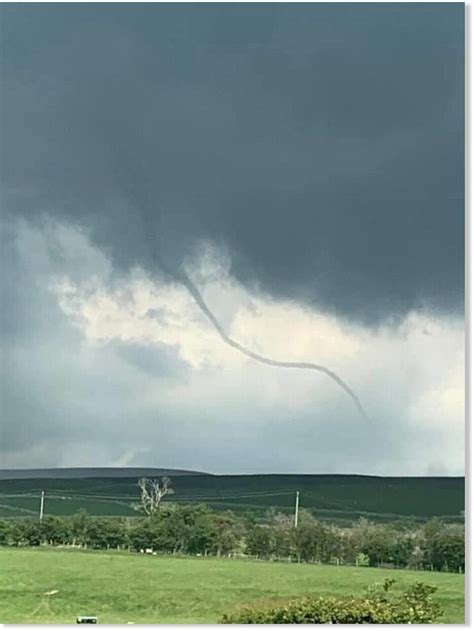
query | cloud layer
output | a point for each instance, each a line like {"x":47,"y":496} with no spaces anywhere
{"x":304,"y":163}
{"x":112,"y":369}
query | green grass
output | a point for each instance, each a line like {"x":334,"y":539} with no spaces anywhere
{"x":123,"y":587}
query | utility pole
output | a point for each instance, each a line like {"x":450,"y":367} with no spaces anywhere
{"x":41,"y":505}
{"x":297,"y":505}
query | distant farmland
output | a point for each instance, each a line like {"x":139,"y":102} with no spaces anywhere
{"x":332,"y":497}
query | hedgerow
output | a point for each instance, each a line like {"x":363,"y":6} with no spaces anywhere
{"x":378,"y":606}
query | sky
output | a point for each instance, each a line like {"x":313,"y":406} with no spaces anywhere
{"x":302,"y":166}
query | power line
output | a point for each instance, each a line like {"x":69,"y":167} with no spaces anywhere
{"x":55,"y":495}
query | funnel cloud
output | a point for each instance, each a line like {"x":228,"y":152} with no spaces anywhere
{"x":182,"y":278}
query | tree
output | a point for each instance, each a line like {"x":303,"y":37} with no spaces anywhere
{"x":32,"y":532}
{"x":308,"y":541}
{"x":115,"y":533}
{"x":377,"y":545}
{"x":282,"y":526}
{"x":105,"y":533}
{"x":4,"y":532}
{"x":94,"y":536}
{"x":151,"y":494}
{"x":432,"y":533}
{"x":447,"y":548}
{"x":141,"y":535}
{"x":258,"y":541}
{"x":228,"y":533}
{"x":55,"y":530}
{"x":402,"y":549}
{"x":202,"y":531}
{"x":79,"y":526}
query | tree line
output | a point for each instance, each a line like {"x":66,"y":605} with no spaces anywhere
{"x":197,"y":529}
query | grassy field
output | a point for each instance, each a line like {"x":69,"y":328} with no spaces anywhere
{"x":123,"y":587}
{"x":341,"y":498}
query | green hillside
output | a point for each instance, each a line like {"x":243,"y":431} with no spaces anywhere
{"x":334,"y":497}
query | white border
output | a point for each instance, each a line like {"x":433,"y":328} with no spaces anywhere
{"x":469,"y":380}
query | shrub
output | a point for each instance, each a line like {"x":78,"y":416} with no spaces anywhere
{"x":378,"y":606}
{"x":362,"y":559}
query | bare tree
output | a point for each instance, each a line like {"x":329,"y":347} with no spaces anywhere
{"x":151,"y":494}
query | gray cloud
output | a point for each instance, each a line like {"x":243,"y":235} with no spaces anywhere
{"x":320,"y":145}
{"x":57,"y":390}
{"x":323,"y":145}
{"x":156,"y":361}
{"x":66,"y":401}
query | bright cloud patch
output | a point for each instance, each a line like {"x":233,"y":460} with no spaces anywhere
{"x":425,"y":353}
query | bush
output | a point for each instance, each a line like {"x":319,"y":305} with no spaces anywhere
{"x":377,"y":607}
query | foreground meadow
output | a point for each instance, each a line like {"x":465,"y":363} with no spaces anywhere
{"x":123,"y":587}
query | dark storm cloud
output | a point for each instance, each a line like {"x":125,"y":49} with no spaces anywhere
{"x":322,"y":144}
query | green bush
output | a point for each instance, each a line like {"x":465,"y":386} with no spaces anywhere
{"x":378,"y":606}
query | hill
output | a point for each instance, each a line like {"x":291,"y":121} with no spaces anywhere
{"x":92,"y":472}
{"x":341,"y":498}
